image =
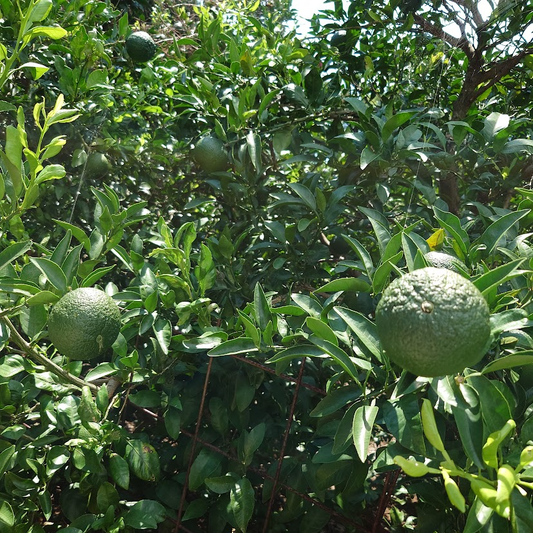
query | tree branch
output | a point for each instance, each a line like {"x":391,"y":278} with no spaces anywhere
{"x":47,"y":363}
{"x":496,"y":71}
{"x":463,"y":44}
{"x":474,"y":10}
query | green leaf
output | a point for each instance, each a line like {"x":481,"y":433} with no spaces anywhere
{"x":53,"y":273}
{"x":7,"y":517}
{"x":143,"y":460}
{"x":321,"y":329}
{"x":305,"y":194}
{"x":242,"y":501}
{"x":12,"y":252}
{"x":314,"y":520}
{"x":367,"y":157}
{"x":205,"y":465}
{"x":303,"y":350}
{"x":363,"y":422}
{"x":261,"y":307}
{"x":518,"y":145}
{"x":5,"y":458}
{"x":380,"y":226}
{"x":196,"y":509}
{"x":499,"y":275}
{"x":78,"y":233}
{"x":336,"y":399}
{"x":205,"y":272}
{"x":234,"y":347}
{"x":119,"y":470}
{"x":220,"y":485}
{"x":495,"y":407}
{"x":146,"y":398}
{"x":452,"y":225}
{"x":403,"y":420}
{"x":363,"y":254}
{"x":50,"y":172}
{"x":145,"y":514}
{"x":494,"y":123}
{"x":345,"y":284}
{"x":163,"y":333}
{"x":522,"y":358}
{"x":308,"y":304}
{"x":252,"y":441}
{"x":39,"y":11}
{"x":106,"y":497}
{"x":395,"y":122}
{"x":331,"y":474}
{"x":467,"y":414}
{"x":363,"y":328}
{"x":349,"y":364}
{"x":172,"y":419}
{"x":498,"y":229}
{"x":244,"y":392}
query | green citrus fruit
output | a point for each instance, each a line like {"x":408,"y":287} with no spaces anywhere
{"x":210,"y":154}
{"x":84,"y":323}
{"x":339,"y":38}
{"x":433,"y":322}
{"x":442,"y":260}
{"x":97,"y":165}
{"x":140,"y":46}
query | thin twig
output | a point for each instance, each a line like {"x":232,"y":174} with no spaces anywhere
{"x":41,"y":359}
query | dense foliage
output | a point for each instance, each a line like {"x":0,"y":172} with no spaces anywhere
{"x":247,"y":388}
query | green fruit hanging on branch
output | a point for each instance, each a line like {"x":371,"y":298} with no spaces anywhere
{"x":140,"y":46}
{"x":97,"y":165}
{"x":433,"y":322}
{"x":84,"y":323}
{"x":210,"y":154}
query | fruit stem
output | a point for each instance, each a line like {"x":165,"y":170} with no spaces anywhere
{"x":47,"y":363}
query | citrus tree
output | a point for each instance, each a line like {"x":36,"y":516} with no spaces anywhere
{"x":206,"y":224}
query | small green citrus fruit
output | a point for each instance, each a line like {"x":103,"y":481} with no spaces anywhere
{"x":84,"y":323}
{"x":442,"y":260}
{"x":140,"y":46}
{"x":433,"y":322}
{"x":210,"y":154}
{"x":97,"y":165}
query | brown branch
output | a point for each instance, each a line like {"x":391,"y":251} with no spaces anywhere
{"x":474,"y":10}
{"x":47,"y":363}
{"x":498,"y":70}
{"x":463,"y":44}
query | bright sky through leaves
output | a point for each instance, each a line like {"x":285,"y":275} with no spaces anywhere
{"x":305,"y":9}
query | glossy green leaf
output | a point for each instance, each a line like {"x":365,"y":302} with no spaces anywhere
{"x":145,"y":514}
{"x":195,"y":509}
{"x":336,"y":399}
{"x":321,"y":329}
{"x":206,"y":464}
{"x":363,"y":328}
{"x":143,"y":460}
{"x":345,"y":284}
{"x":499,"y":228}
{"x":119,"y":470}
{"x":242,"y":502}
{"x":261,"y":307}
{"x":53,"y":272}
{"x":363,"y":423}
{"x":467,"y":414}
{"x":241,"y":345}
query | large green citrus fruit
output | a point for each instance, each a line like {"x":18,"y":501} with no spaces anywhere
{"x":97,"y":165}
{"x":84,"y":323}
{"x":140,"y":46}
{"x":433,"y":322}
{"x":442,"y":260}
{"x":210,"y":154}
